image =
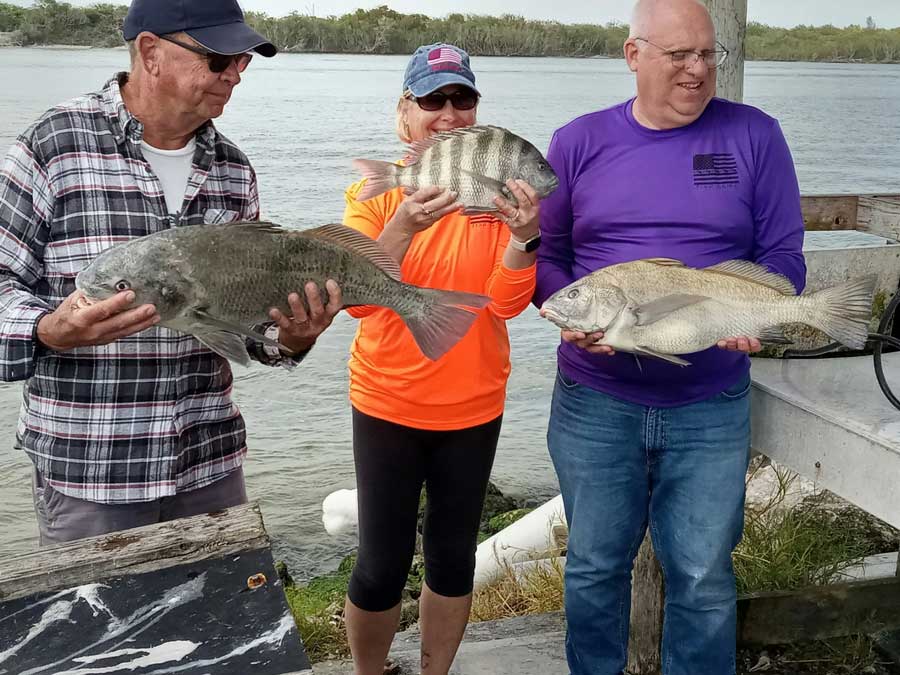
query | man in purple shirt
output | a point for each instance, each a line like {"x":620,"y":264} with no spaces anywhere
{"x":679,"y":174}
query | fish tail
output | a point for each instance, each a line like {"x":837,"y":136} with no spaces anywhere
{"x":380,"y":177}
{"x":844,"y":311}
{"x":441,"y":318}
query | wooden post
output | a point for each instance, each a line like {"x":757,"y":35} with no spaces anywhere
{"x":647,"y":593}
{"x":647,"y":598}
{"x":730,"y":19}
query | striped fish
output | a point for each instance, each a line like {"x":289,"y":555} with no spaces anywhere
{"x":475,"y":162}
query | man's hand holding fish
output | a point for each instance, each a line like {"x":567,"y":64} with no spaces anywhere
{"x":80,"y":323}
{"x":300,"y":331}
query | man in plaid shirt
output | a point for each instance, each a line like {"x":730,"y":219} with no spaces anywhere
{"x":128,"y":423}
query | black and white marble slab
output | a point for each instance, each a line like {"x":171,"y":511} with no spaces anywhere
{"x":197,"y":619}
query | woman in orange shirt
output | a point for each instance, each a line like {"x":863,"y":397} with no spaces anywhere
{"x":417,"y":421}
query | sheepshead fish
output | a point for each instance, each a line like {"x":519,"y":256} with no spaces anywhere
{"x":217,"y":281}
{"x":475,"y":162}
{"x":660,"y":307}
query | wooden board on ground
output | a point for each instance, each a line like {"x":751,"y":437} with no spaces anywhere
{"x":193,"y":596}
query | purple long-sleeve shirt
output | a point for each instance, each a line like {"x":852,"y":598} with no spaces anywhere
{"x":720,"y":188}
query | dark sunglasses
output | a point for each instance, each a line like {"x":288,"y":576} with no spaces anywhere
{"x":461,"y":99}
{"x":218,"y":63}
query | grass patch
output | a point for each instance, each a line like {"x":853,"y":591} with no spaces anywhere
{"x":535,"y":592}
{"x":807,"y":545}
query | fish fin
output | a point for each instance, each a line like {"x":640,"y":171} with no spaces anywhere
{"x":662,"y":307}
{"x":445,"y":321}
{"x":416,"y":149}
{"x":476,"y":210}
{"x":357,"y":242}
{"x":844,"y":311}
{"x":204,"y":317}
{"x":666,"y":262}
{"x":379,"y":177}
{"x":228,"y":345}
{"x":671,"y":358}
{"x":774,"y":336}
{"x":751,"y":271}
{"x":496,"y":185}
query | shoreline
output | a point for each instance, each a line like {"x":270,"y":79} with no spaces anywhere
{"x":601,"y":57}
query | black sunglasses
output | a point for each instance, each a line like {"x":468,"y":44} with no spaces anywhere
{"x":461,"y":99}
{"x":218,"y":63}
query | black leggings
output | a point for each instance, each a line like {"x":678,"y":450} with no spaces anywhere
{"x":392,"y":463}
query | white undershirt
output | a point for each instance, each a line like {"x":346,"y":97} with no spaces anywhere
{"x":173,"y":168}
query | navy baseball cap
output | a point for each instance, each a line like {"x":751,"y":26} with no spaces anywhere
{"x":218,"y":25}
{"x":434,"y":66}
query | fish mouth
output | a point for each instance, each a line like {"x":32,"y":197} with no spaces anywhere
{"x":554,"y":317}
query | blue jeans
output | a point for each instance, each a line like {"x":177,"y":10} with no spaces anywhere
{"x":682,"y":470}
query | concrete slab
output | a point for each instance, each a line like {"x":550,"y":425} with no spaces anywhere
{"x":527,"y":645}
{"x":827,"y":420}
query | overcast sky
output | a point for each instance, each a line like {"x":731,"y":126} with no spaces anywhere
{"x":886,"y":13}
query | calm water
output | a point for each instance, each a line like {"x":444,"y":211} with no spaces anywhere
{"x":301,"y":119}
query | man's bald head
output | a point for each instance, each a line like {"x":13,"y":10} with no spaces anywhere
{"x":649,"y":15}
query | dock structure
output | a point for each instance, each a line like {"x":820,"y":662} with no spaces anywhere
{"x":193,"y":596}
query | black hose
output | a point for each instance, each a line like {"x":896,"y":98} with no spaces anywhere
{"x":882,"y":338}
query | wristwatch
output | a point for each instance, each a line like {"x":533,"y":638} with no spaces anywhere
{"x":527,"y":246}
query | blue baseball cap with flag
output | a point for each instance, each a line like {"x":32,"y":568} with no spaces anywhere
{"x":218,"y":25}
{"x":434,"y":66}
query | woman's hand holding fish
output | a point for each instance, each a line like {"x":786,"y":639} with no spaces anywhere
{"x":522,"y":220}
{"x":300,"y":331}
{"x":423,"y":208}
{"x":587,"y":341}
{"x":79,"y":323}
{"x":748,"y":345}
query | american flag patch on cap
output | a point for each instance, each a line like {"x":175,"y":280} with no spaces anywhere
{"x":444,"y":58}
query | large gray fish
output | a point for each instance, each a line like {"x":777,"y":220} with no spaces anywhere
{"x":660,"y":307}
{"x":216,"y":281}
{"x":474,"y":162}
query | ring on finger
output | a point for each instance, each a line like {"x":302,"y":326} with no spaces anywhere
{"x":516,"y":214}
{"x":426,"y":211}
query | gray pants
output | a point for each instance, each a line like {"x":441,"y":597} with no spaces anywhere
{"x":62,"y":518}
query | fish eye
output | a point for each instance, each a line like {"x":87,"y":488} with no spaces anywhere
{"x":122,"y":285}
{"x":572,"y":294}
{"x":541,"y":166}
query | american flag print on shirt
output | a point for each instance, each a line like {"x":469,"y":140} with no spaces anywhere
{"x":715,"y":169}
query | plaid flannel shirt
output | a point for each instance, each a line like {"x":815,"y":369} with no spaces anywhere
{"x":148,"y":415}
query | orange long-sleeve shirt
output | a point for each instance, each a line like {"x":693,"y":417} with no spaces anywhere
{"x":389,"y":377}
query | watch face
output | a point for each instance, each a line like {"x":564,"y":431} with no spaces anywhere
{"x":532,"y":244}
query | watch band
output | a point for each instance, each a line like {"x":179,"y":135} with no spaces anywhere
{"x":527,"y":246}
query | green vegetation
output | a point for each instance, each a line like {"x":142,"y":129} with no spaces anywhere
{"x":384,"y":31}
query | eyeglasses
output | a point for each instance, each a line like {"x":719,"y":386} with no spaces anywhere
{"x":218,"y":63}
{"x":461,"y":99}
{"x":681,"y":58}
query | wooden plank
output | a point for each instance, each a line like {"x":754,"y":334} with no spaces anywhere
{"x":880,"y":214}
{"x":647,"y":602}
{"x":820,"y":612}
{"x":829,"y":212}
{"x":141,"y":549}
